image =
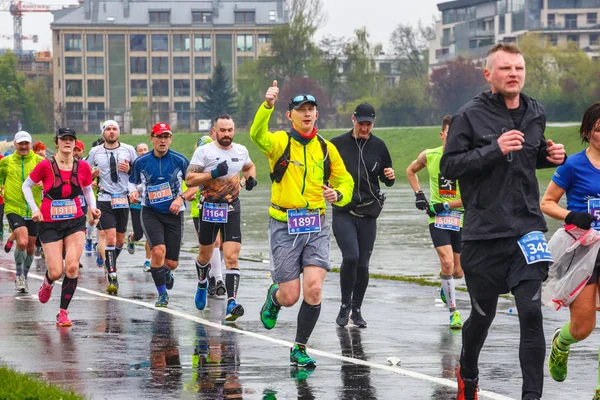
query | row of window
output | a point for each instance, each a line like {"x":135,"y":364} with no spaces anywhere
{"x":139,"y":87}
{"x":206,"y":17}
{"x":594,"y":39}
{"x":139,"y":65}
{"x":96,"y":110}
{"x":160,"y":42}
{"x":571,"y":20}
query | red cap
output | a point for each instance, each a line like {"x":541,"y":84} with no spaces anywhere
{"x":79,"y":144}
{"x":161,"y":128}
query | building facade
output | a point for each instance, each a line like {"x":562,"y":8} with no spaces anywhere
{"x":114,"y":56}
{"x":469,"y":28}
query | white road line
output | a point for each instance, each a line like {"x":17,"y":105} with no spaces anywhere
{"x":189,"y":317}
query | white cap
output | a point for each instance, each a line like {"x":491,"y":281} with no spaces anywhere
{"x":22,"y":136}
{"x":111,"y":122}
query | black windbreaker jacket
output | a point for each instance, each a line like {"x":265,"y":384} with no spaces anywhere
{"x":501,"y":198}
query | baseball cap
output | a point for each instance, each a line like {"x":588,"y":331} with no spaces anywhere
{"x":22,"y":136}
{"x":79,"y":144}
{"x":301,"y":99}
{"x":160,"y":128}
{"x":62,"y":132}
{"x":364,"y":112}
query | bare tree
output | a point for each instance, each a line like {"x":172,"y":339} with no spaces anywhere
{"x":411,"y":44}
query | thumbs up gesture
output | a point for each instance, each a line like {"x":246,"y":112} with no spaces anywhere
{"x":272,"y":94}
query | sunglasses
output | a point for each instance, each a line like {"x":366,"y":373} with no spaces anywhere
{"x":303,"y":97}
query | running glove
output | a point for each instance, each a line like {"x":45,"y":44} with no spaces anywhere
{"x":251,"y":183}
{"x":220,"y":170}
{"x":421,"y":202}
{"x":581,"y":220}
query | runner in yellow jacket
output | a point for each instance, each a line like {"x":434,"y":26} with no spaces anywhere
{"x":306,"y":171}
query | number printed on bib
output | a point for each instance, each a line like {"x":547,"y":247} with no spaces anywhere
{"x":594,"y":210}
{"x":303,"y":221}
{"x":215,"y":212}
{"x":63,"y":209}
{"x":448,"y":220}
{"x":119,"y":200}
{"x":160,"y":193}
{"x":534,"y":248}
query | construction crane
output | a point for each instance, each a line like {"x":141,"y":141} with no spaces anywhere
{"x":17,"y":9}
{"x":34,"y":38}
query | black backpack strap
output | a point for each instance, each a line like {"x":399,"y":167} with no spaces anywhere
{"x":75,"y":173}
{"x":282,"y":163}
{"x":56,"y":172}
{"x":326,"y":160}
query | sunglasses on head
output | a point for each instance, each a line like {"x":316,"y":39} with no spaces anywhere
{"x":303,"y":97}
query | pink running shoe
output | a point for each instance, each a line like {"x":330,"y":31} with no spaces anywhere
{"x":62,"y":318}
{"x":45,"y":292}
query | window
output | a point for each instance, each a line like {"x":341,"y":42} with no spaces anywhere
{"x":592,"y":18}
{"x":137,"y":43}
{"x":183,"y":111}
{"x":446,"y":36}
{"x":74,"y":111}
{"x":571,"y":21}
{"x":159,"y":17}
{"x":160,"y":65}
{"x":96,"y":112}
{"x":502,"y":24}
{"x":594,"y":39}
{"x":244,"y":17}
{"x":139,"y":87}
{"x":160,"y":87}
{"x":181,"y":42}
{"x":160,"y":42}
{"x":553,"y":39}
{"x":201,"y":42}
{"x":95,"y":65}
{"x":72,"y":65}
{"x":573,"y":38}
{"x":181,"y":87}
{"x":138,"y":65}
{"x":551,"y":20}
{"x":94,"y":43}
{"x":201,"y":85}
{"x":181,"y":65}
{"x":73,"y":87}
{"x":244,"y":43}
{"x":241,"y":60}
{"x":95,"y":87}
{"x":201,"y":17}
{"x":72,"y":42}
{"x":272,"y":16}
{"x":264,"y":39}
{"x":385,"y":68}
{"x":472,"y":44}
{"x":202,"y":65}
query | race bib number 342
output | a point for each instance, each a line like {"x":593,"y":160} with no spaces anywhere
{"x":534,"y":248}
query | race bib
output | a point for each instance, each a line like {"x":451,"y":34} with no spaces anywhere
{"x":160,"y":193}
{"x":448,"y":220}
{"x":119,"y":200}
{"x":534,"y":248}
{"x":594,"y":210}
{"x":63,"y":209}
{"x":215,"y":212}
{"x":303,"y":221}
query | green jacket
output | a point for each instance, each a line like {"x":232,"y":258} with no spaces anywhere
{"x":14,"y":169}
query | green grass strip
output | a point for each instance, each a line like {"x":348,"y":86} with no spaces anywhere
{"x":18,"y":386}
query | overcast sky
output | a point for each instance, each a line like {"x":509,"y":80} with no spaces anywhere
{"x":343,"y":17}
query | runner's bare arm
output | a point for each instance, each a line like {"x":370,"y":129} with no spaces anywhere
{"x":194,"y":176}
{"x":249,"y":170}
{"x":413,"y":168}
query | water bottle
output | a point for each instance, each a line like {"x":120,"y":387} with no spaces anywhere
{"x":512,"y":311}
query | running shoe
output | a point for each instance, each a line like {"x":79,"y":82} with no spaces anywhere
{"x":212,"y":283}
{"x":99,"y":261}
{"x":169,"y":279}
{"x":234,"y":311}
{"x":357,"y":318}
{"x":45,"y":291}
{"x":299,"y":358}
{"x":557,"y":362}
{"x":88,"y":245}
{"x":95,"y":247}
{"x":455,"y":321}
{"x":220,"y":288}
{"x":38,"y":251}
{"x":130,"y":244}
{"x":342,"y":317}
{"x":597,"y":394}
{"x":147,"y":266}
{"x":62,"y":318}
{"x":467,"y":388}
{"x":42,"y":254}
{"x":269,"y":311}
{"x":163,"y":300}
{"x":8,"y":245}
{"x":443,"y":295}
{"x":113,"y":285}
{"x":20,"y":283}
{"x":200,"y":298}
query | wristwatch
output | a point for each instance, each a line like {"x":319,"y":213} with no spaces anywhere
{"x":182,"y":197}
{"x":339,"y":195}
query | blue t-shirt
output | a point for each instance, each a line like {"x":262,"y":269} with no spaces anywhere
{"x":580,"y":181}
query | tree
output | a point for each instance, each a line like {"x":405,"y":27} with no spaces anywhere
{"x":141,"y":115}
{"x":218,"y":95}
{"x":456,"y":83}
{"x":12,"y":93}
{"x":38,"y":106}
{"x":411,"y":45}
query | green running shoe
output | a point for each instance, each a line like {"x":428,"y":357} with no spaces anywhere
{"x":299,"y":358}
{"x":455,"y":321}
{"x":443,"y":296}
{"x":269,"y":311}
{"x":557,"y":362}
{"x":163,"y":300}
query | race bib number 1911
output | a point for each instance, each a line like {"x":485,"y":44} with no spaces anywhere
{"x":303,"y":221}
{"x":63,"y":209}
{"x":534,"y":248}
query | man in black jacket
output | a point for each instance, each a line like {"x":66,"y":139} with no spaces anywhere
{"x":354,"y":226}
{"x":495,"y":143}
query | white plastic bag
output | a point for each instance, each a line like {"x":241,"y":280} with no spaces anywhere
{"x":574,"y":252}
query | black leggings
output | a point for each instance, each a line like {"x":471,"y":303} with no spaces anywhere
{"x":532,"y":345}
{"x":136,"y":223}
{"x":355,"y":237}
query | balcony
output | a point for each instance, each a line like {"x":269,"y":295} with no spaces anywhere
{"x":566,"y":27}
{"x":447,"y":40}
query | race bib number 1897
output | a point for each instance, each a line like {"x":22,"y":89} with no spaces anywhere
{"x":534,"y":248}
{"x":303,"y":221}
